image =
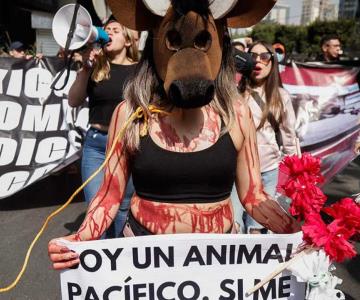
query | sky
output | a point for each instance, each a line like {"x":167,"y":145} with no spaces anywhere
{"x":295,"y":9}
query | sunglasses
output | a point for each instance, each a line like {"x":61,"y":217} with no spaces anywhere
{"x":265,"y":57}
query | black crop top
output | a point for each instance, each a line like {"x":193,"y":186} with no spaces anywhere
{"x":192,"y":177}
{"x":105,"y":95}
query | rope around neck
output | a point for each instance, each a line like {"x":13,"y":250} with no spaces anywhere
{"x":138,"y":114}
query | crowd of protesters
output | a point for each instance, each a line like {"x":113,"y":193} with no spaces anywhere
{"x":258,"y":82}
{"x":330,"y":49}
{"x":258,"y":65}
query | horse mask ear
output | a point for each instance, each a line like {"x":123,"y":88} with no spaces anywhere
{"x":133,"y":14}
{"x":248,"y":12}
{"x":143,"y":14}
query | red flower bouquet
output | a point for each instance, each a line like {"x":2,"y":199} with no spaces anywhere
{"x":333,"y":237}
{"x":298,"y":180}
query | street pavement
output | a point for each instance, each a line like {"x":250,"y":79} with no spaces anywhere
{"x":22,"y":215}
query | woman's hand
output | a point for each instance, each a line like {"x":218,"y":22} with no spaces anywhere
{"x":61,"y":256}
{"x":89,"y":57}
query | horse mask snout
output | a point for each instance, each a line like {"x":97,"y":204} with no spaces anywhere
{"x":191,"y":93}
{"x":190,"y":51}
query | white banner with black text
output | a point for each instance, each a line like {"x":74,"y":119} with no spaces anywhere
{"x":39,"y":132}
{"x":182,"y":267}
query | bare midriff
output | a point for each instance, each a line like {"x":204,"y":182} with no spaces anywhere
{"x":166,"y":218}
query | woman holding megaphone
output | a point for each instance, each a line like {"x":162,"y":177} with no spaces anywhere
{"x":102,"y":79}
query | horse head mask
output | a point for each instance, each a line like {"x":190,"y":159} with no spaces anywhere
{"x":188,"y":39}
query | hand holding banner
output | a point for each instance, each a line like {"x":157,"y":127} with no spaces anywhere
{"x":182,"y":266}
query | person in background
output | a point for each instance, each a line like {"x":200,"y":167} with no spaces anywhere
{"x":77,"y":58}
{"x":17,"y":50}
{"x":274,"y":120}
{"x":280,"y":52}
{"x":330,"y":48}
{"x":102,"y":78}
{"x":136,"y":37}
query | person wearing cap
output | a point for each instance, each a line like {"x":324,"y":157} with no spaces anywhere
{"x":17,"y":50}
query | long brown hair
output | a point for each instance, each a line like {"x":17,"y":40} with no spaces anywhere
{"x":273,"y":100}
{"x":102,"y":67}
{"x":145,"y":88}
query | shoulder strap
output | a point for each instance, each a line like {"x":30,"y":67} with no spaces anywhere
{"x":258,"y":99}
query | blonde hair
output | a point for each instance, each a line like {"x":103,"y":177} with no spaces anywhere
{"x":102,"y":68}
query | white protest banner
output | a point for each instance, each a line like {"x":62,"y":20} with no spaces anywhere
{"x":182,"y":267}
{"x":39,"y":132}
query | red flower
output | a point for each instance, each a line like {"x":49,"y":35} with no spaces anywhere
{"x":292,"y":167}
{"x":306,"y":165}
{"x":298,"y":178}
{"x":306,"y":197}
{"x":347,"y":212}
{"x":333,"y":238}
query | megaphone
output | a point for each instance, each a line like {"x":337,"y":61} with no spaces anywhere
{"x":84,"y":31}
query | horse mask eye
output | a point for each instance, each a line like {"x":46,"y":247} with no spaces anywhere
{"x":203,"y":40}
{"x":173,"y":40}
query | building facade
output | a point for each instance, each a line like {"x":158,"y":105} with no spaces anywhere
{"x":318,"y":10}
{"x":279,"y":14}
{"x":349,"y":9}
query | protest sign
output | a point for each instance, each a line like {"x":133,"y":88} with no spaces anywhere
{"x":182,"y":267}
{"x":39,"y":132}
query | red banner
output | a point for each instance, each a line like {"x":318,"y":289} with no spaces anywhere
{"x":326,"y":100}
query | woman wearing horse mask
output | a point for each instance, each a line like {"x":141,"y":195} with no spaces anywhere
{"x":193,"y":137}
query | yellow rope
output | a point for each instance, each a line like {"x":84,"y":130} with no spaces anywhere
{"x":138,"y":114}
